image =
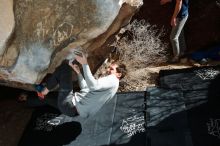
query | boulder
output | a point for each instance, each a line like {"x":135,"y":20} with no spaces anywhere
{"x":7,"y":24}
{"x":37,"y":36}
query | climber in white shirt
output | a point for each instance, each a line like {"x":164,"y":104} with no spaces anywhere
{"x":94,"y":93}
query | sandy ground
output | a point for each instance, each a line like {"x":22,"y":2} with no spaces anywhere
{"x":13,"y":117}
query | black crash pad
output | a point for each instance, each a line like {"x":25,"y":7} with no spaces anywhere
{"x":119,"y":122}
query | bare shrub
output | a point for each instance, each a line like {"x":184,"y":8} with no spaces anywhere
{"x":139,"y":45}
{"x":142,"y":46}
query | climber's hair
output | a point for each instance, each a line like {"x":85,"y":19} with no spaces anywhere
{"x":121,"y":69}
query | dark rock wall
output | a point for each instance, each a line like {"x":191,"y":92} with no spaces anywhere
{"x":202,"y":28}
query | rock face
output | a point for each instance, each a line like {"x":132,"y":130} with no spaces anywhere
{"x":38,"y":35}
{"x":7,"y":24}
{"x":202,"y":28}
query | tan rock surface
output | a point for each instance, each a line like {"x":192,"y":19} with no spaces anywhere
{"x":45,"y":31}
{"x":7,"y":24}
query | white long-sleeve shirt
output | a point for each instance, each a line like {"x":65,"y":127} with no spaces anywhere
{"x":94,"y":93}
